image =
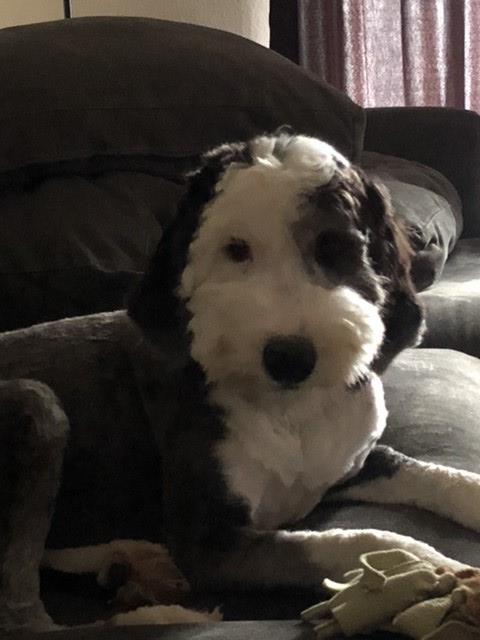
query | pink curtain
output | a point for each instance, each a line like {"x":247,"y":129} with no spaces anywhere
{"x":395,"y":52}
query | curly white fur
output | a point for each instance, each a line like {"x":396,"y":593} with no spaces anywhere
{"x":236,"y":307}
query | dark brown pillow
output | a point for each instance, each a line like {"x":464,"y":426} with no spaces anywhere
{"x":72,"y":245}
{"x":136,"y":86}
{"x":101,"y":117}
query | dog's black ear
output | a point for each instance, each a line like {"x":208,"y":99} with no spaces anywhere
{"x":154,"y":306}
{"x":390,"y":253}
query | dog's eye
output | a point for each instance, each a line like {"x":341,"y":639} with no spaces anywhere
{"x":238,"y":250}
{"x":338,"y":250}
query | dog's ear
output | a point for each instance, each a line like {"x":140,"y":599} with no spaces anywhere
{"x":154,"y":306}
{"x":390,"y":253}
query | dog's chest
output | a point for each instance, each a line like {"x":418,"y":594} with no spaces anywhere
{"x":282,"y":459}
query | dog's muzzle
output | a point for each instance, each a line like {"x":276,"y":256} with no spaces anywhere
{"x":289,"y":360}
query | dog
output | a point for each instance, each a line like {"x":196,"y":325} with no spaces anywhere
{"x":275,"y":300}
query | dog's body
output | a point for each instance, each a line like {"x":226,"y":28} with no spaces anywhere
{"x":276,"y":299}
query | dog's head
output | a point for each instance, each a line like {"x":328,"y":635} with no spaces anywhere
{"x":284,"y":267}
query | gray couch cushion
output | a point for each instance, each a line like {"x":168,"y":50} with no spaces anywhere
{"x":433,"y":398}
{"x":430,"y":206}
{"x":453,"y":303}
{"x":262,"y":630}
{"x":440,"y":137}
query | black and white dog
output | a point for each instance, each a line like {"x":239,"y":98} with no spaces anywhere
{"x":285,"y":284}
{"x":276,"y":299}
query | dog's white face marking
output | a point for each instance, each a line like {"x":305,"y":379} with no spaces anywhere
{"x":245,"y":281}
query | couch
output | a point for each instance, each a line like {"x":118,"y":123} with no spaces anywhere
{"x":101,"y":118}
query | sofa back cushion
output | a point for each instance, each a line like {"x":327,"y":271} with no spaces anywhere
{"x":101,"y":117}
{"x":429,"y":205}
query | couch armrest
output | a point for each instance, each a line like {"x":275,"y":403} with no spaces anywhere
{"x":447,"y":140}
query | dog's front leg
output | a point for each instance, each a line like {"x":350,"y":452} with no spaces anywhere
{"x":390,"y":477}
{"x":33,"y":433}
{"x":283,"y":559}
{"x":216,"y":547}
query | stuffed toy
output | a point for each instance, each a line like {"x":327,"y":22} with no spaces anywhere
{"x":142,"y":576}
{"x":396,"y":591}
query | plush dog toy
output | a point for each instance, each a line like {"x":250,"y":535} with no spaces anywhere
{"x":396,"y":591}
{"x":145,"y":580}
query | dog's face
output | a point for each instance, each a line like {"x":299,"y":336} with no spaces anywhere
{"x":285,"y":268}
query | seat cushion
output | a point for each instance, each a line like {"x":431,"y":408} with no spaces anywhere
{"x":453,"y":303}
{"x":253,"y":630}
{"x":433,"y":399}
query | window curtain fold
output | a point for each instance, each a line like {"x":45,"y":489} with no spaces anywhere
{"x":394,"y":52}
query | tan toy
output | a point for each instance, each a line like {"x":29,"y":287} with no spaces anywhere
{"x":396,"y":591}
{"x":141,"y":573}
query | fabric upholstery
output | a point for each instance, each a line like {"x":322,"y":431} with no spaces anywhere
{"x":453,"y":303}
{"x":430,"y":207}
{"x":433,"y":399}
{"x":116,"y":86}
{"x":265,"y":630}
{"x":100,"y":121}
{"x":447,"y":140}
{"x":71,"y":244}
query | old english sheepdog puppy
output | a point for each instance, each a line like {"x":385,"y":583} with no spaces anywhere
{"x":276,"y":298}
{"x":280,"y":293}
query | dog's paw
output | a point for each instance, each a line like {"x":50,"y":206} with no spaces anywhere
{"x":141,"y":573}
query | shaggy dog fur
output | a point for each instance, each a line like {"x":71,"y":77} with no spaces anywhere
{"x":273,"y":303}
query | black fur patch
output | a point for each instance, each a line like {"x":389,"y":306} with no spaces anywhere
{"x":383,"y":270}
{"x":154,"y":306}
{"x":340,"y":246}
{"x":390,"y":254}
{"x":202,"y":514}
{"x":382,"y":462}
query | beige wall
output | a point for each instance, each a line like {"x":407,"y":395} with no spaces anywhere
{"x":248,"y":18}
{"x":14,"y":12}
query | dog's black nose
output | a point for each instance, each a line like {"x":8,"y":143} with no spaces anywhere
{"x":289,"y":359}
